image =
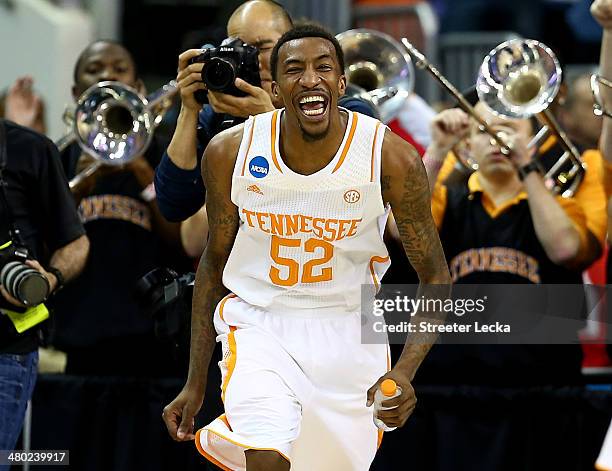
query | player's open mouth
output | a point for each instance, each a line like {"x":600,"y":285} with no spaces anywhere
{"x":313,"y":106}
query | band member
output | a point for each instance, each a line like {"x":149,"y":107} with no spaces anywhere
{"x":100,"y":324}
{"x":494,"y":225}
{"x":449,"y":159}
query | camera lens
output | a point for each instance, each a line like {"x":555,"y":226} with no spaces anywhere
{"x":8,"y":274}
{"x":32,"y":289}
{"x":24,"y":283}
{"x":219,"y":74}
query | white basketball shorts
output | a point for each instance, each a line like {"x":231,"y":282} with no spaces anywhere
{"x":295,"y":383}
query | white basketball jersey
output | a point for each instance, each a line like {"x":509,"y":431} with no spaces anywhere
{"x":307,"y":241}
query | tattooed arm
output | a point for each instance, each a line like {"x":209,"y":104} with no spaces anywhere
{"x":405,"y":187}
{"x":217,"y":167}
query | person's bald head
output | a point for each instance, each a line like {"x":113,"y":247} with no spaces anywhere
{"x":269,"y":11}
{"x":260,"y":23}
{"x":104,"y":60}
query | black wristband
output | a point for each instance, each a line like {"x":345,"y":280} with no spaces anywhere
{"x":533,"y":166}
{"x":59,"y":276}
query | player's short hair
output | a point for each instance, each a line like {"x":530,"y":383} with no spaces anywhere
{"x":305,"y":30}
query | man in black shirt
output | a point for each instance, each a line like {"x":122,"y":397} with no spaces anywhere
{"x":41,"y":209}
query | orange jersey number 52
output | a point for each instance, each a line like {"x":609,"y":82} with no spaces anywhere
{"x":292,"y":267}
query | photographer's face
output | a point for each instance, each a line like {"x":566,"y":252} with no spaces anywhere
{"x":105,"y":61}
{"x":261,"y":31}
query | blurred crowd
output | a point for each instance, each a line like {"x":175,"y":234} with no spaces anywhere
{"x":498,"y":219}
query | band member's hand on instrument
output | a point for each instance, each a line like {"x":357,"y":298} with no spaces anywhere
{"x":602,"y":12}
{"x":255,"y":102}
{"x":24,"y":106}
{"x":189,"y":79}
{"x":179,"y":415}
{"x":448,"y":128}
{"x":403,"y":405}
{"x":521,"y":154}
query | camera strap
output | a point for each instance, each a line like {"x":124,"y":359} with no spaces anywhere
{"x":9,"y":224}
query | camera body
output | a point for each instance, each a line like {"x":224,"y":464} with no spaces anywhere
{"x":166,"y":296}
{"x":21,"y":281}
{"x":222,"y":65}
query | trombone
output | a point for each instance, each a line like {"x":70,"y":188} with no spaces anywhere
{"x":599,"y":107}
{"x":519,"y":79}
{"x":114,"y":124}
{"x":423,"y":64}
{"x":377,"y":69}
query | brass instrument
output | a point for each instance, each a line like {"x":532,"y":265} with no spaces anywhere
{"x":599,"y":107}
{"x":424,"y":64}
{"x":519,"y":79}
{"x":377,"y":69}
{"x":114,"y":123}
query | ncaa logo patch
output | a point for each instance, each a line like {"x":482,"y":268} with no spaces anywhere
{"x":259,"y":166}
{"x":352,"y":196}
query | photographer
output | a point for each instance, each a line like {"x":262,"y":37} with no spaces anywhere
{"x":179,"y":187}
{"x":37,"y":215}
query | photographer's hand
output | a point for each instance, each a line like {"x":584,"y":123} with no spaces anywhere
{"x":38,"y":267}
{"x":189,"y":80}
{"x":257,"y":101}
{"x":183,"y":147}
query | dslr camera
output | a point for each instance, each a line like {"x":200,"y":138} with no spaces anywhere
{"x":222,"y":65}
{"x":166,"y":296}
{"x":21,"y":281}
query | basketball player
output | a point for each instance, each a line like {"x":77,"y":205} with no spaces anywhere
{"x":297,"y":202}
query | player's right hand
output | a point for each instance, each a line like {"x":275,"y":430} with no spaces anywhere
{"x":602,"y":12}
{"x":179,"y":415}
{"x":448,"y":128}
{"x":402,"y":405}
{"x":189,"y":79}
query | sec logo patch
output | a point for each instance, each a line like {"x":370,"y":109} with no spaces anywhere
{"x":352,"y":196}
{"x":259,"y":167}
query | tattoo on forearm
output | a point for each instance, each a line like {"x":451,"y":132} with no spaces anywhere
{"x":209,"y":290}
{"x":415,"y":224}
{"x":411,"y":205}
{"x":385,"y":183}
